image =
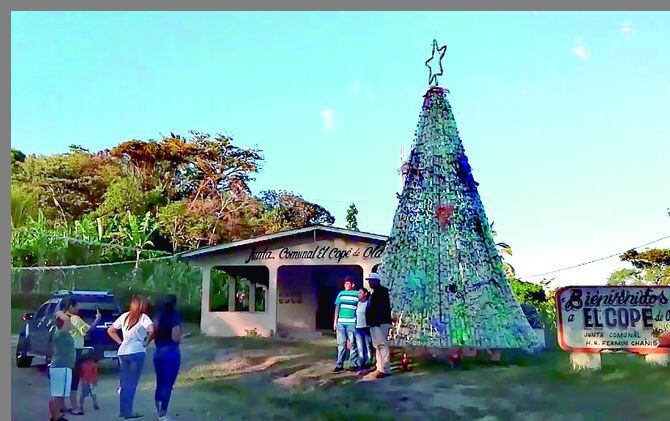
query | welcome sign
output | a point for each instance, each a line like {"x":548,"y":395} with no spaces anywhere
{"x":596,"y":318}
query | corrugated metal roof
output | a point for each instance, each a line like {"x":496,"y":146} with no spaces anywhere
{"x":282,"y":234}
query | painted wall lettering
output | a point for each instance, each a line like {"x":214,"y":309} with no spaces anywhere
{"x":317,"y":253}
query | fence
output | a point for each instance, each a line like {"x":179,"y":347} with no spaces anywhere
{"x":150,"y":277}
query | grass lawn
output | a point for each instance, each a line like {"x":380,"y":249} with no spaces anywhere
{"x":253,"y":378}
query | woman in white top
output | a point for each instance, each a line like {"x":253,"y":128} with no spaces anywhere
{"x":137,"y":329}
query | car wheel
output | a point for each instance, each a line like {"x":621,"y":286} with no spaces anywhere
{"x":22,"y":359}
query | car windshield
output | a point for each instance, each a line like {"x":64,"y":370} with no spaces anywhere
{"x":87,"y":305}
{"x":90,"y":313}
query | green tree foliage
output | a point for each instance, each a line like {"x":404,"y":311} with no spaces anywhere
{"x":625,"y":277}
{"x":197,"y":166}
{"x":352,"y":217}
{"x":172,"y":194}
{"x":17,"y":157}
{"x":201,"y":222}
{"x":182,"y":227}
{"x":647,"y":258}
{"x":285,"y":210}
{"x":650,"y":267}
{"x":535,"y":295}
{"x":23,"y":205}
{"x":127,"y":194}
{"x":67,"y":185}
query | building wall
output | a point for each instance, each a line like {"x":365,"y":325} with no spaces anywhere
{"x":265,"y":324}
{"x":295,"y":287}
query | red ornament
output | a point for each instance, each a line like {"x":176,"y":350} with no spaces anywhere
{"x":404,"y":362}
{"x":443,"y":214}
{"x":664,"y":340}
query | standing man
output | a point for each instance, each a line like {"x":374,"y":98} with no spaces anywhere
{"x":62,"y":363}
{"x":344,"y":324}
{"x":378,"y":317}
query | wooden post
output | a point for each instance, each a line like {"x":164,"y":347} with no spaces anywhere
{"x":658,"y":359}
{"x":585,"y":361}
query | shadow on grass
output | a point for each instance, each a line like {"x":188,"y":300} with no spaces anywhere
{"x":519,"y":386}
{"x":255,"y":396}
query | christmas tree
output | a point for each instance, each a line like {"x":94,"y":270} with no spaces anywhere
{"x":446,"y":279}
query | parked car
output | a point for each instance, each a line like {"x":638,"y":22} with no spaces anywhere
{"x":35,"y":337}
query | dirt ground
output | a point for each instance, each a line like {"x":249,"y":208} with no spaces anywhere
{"x":252,"y":378}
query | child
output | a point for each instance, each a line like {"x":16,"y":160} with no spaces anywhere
{"x":89,"y":381}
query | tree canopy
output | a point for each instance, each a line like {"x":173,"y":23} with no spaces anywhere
{"x":144,"y":196}
{"x":650,"y":267}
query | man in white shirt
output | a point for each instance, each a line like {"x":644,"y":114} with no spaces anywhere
{"x":362,"y":333}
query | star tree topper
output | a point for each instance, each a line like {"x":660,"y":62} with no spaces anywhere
{"x":432,"y":76}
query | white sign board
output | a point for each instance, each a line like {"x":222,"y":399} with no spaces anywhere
{"x":597,"y":318}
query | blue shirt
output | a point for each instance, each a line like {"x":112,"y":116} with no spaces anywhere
{"x":164,"y":324}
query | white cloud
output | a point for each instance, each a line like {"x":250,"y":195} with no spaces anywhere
{"x":627,"y":29}
{"x":328,"y":119}
{"x":580,"y":50}
{"x":357,"y":89}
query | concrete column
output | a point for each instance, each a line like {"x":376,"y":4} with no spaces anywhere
{"x":231,"y":295}
{"x":585,"y":361}
{"x":657,"y":359}
{"x":252,"y":297}
{"x":271,"y":300}
{"x":265,"y":298}
{"x":205,"y":293}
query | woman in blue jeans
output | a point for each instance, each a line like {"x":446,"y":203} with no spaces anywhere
{"x":137,"y":329}
{"x":167,"y":357}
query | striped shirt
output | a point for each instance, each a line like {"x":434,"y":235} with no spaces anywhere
{"x":346,"y":302}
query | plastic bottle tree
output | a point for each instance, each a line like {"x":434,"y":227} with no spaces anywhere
{"x":446,"y":279}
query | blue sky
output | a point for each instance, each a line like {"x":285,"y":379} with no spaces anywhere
{"x":563,"y":115}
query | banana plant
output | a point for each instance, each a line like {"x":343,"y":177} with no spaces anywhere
{"x":137,"y":232}
{"x":504,"y":249}
{"x":23,"y":206}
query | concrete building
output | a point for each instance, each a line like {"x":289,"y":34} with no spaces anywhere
{"x":283,"y":282}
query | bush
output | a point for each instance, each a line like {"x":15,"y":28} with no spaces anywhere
{"x":172,"y":275}
{"x":29,"y":302}
{"x":190,"y":313}
{"x":23,"y":303}
{"x":533,"y":316}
